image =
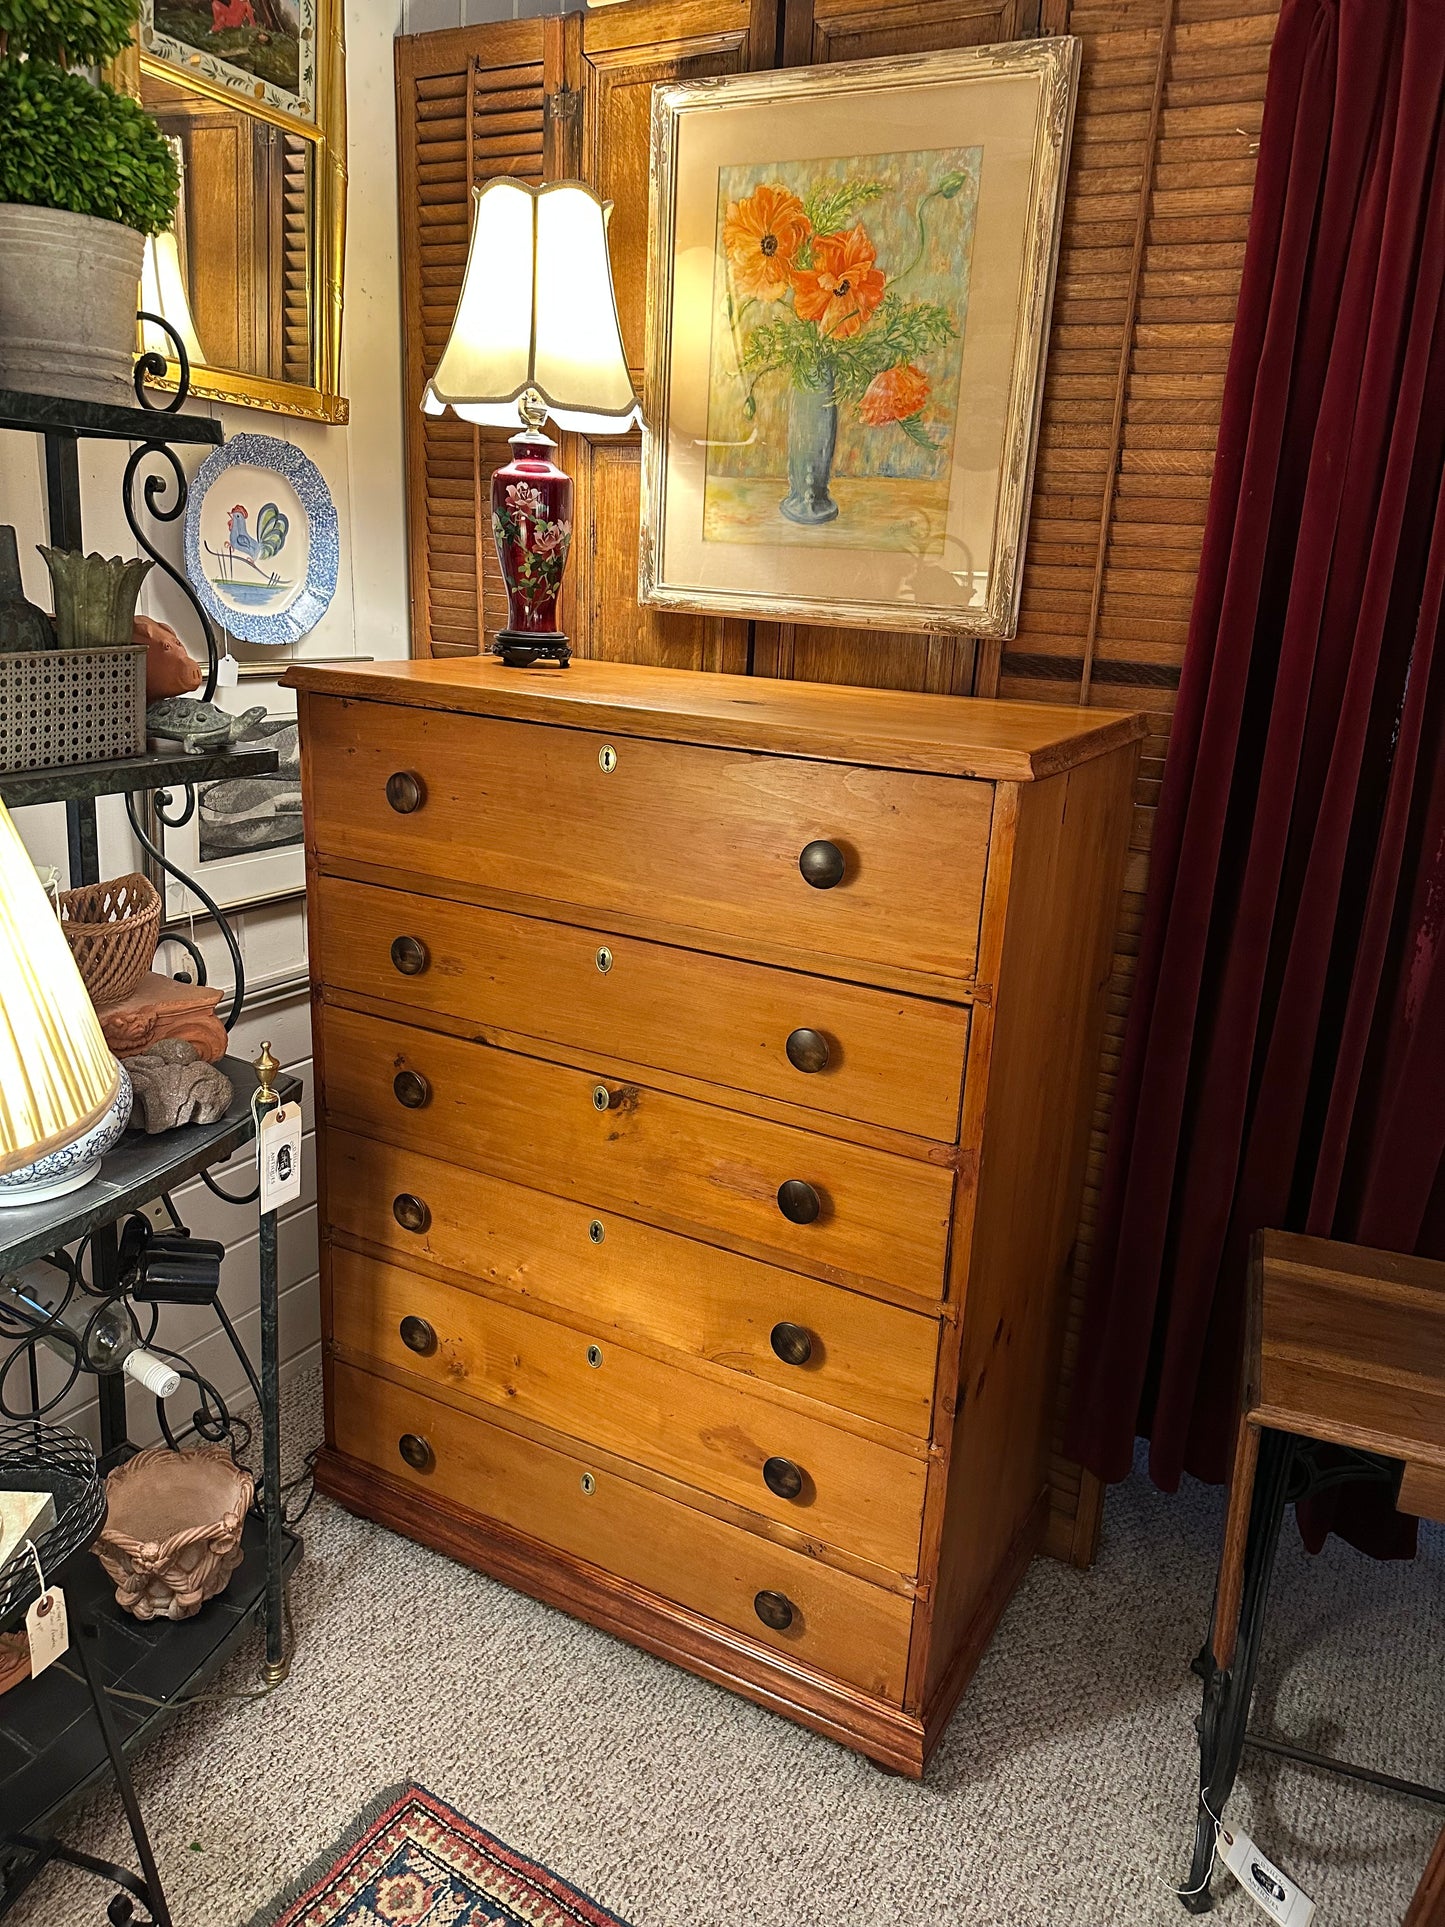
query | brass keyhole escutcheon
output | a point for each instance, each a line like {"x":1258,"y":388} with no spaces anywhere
{"x":411,"y":1089}
{"x":783,"y":1478}
{"x":405,"y":791}
{"x":594,"y":1356}
{"x":604,"y":959}
{"x":775,"y":1609}
{"x":589,"y":1484}
{"x":791,"y":1343}
{"x":412,"y":1214}
{"x":807,"y":1050}
{"x":418,"y":1336}
{"x":410,"y":956}
{"x":601,"y":1097}
{"x":416,"y":1451}
{"x":607,"y":759}
{"x":596,"y":1231}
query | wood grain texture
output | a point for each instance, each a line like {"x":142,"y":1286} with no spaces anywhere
{"x":1427,"y":1908}
{"x":884,"y":729}
{"x":893,"y":1060}
{"x":774,"y":1677}
{"x":853,"y":1631}
{"x":1351,"y":1346}
{"x":1053,"y":930}
{"x":705,"y":838}
{"x":651,"y":1288}
{"x":856,"y":1493}
{"x":686,"y":1166}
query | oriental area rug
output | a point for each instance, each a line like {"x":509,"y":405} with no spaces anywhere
{"x":410,"y":1861}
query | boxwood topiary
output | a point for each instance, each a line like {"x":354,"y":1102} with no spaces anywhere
{"x":68,"y":143}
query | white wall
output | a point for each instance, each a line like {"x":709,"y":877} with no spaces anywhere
{"x":363,"y":467}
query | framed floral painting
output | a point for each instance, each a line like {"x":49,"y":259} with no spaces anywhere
{"x":851,"y":275}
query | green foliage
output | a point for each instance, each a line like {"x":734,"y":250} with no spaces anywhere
{"x":69,"y":32}
{"x":899,"y":331}
{"x":68,"y":144}
{"x":828,"y":208}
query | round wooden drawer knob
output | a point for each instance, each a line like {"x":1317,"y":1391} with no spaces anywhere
{"x":412,"y":1214}
{"x":410,"y":956}
{"x":411,"y":1089}
{"x":775,"y":1609}
{"x":792,"y":1343}
{"x":416,"y":1451}
{"x":798,"y":1201}
{"x":807,"y":1049}
{"x":405,"y":791}
{"x":418,"y":1336}
{"x":822,"y":864}
{"x":783,"y":1478}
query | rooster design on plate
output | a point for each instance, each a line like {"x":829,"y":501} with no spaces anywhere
{"x":243,"y":570}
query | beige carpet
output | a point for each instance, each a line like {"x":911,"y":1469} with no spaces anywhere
{"x":1061,"y":1796}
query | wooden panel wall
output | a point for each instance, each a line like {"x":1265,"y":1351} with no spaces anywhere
{"x":1156,"y":214}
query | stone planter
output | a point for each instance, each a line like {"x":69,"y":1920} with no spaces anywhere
{"x":172,"y":1535}
{"x":69,"y":286}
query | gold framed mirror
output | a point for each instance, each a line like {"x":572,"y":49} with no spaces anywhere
{"x":252,"y":96}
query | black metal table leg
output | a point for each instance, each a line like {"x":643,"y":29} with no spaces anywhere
{"x":1227,"y":1692}
{"x":154,"y":1893}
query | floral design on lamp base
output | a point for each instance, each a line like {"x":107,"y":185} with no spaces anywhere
{"x":532,"y":527}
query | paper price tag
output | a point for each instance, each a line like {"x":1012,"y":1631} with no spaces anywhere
{"x":1263,"y":1881}
{"x":47,"y":1629}
{"x":280,"y":1156}
{"x":228,"y":672}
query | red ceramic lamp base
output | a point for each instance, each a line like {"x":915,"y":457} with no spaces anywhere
{"x":532,"y":527}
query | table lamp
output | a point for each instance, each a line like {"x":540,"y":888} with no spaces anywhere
{"x":64,"y":1100}
{"x":535,"y":335}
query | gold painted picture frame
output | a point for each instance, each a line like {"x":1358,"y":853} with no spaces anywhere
{"x":846,"y":335}
{"x":314,"y":394}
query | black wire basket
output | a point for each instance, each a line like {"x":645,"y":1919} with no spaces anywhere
{"x":48,"y":1458}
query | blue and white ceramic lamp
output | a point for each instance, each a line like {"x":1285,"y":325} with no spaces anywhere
{"x":64,"y":1099}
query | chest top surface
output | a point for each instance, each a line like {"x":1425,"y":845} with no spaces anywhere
{"x":883,"y":728}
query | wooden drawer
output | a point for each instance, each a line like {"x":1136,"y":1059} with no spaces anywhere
{"x":891,"y":1059}
{"x":853,"y":1493}
{"x":707,"y":839}
{"x":841,"y":1624}
{"x":630,"y":1280}
{"x":670,"y":1160}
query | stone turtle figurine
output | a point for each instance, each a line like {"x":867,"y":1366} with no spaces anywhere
{"x":174,"y":1086}
{"x":199,"y":725}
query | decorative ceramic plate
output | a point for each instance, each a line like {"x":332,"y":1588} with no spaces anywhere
{"x":261,"y":539}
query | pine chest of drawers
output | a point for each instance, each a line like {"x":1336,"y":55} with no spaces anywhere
{"x":704,"y":1069}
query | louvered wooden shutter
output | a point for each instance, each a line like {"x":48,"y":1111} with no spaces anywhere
{"x":470,"y":108}
{"x":296,"y":358}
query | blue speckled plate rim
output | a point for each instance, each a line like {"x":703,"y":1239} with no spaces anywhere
{"x":283,"y":458}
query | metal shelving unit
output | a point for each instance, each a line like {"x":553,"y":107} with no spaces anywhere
{"x":51,"y":1742}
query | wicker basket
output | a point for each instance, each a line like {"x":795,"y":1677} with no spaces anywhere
{"x":112,"y":929}
{"x":61,"y":706}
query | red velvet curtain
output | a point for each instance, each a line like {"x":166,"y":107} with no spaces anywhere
{"x":1285,"y":1057}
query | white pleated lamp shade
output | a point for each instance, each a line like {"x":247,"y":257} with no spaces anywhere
{"x":163,"y":292}
{"x":57,"y":1076}
{"x":537,"y":310}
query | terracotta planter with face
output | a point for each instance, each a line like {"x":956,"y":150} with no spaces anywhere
{"x":172,"y":1535}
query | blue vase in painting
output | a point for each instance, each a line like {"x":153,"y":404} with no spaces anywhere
{"x":812,"y":437}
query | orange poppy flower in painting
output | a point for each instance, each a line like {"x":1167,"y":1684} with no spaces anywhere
{"x":894,"y":395}
{"x":762,"y":235}
{"x":843,"y":287}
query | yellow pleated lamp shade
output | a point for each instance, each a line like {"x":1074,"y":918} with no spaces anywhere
{"x":57,"y":1076}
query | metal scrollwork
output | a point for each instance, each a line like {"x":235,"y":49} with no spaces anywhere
{"x":161,"y":802}
{"x":213,"y":909}
{"x":153,"y":364}
{"x":155,"y":491}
